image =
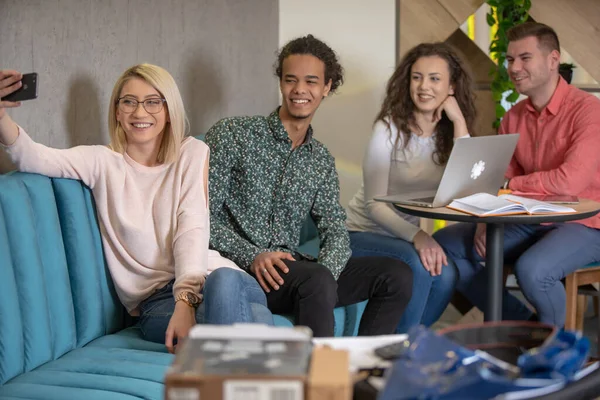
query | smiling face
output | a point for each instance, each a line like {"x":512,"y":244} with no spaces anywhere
{"x":530,"y":66}
{"x":140,"y":126}
{"x":302,"y":85}
{"x":429,"y":83}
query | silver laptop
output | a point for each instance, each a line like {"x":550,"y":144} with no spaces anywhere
{"x":476,"y":165}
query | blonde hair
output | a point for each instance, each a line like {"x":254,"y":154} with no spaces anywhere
{"x":177,"y":125}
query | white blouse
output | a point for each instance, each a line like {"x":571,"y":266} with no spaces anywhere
{"x":389,"y":172}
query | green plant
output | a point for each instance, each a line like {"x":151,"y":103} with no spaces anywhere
{"x":566,"y":66}
{"x":504,"y":14}
{"x":566,"y":71}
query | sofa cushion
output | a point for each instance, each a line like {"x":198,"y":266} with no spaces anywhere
{"x":309,"y":233}
{"x":310,"y":247}
{"x":130,"y":338}
{"x":104,"y":378}
{"x":36,"y":391}
{"x":340,"y":325}
{"x":116,"y":366}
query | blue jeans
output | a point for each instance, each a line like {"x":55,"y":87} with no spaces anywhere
{"x":541,"y":254}
{"x":230,"y":296}
{"x":430,"y":294}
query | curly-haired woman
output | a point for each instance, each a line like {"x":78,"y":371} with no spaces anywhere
{"x":429,"y":104}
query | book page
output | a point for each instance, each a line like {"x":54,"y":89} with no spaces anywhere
{"x":485,"y":204}
{"x":537,"y":206}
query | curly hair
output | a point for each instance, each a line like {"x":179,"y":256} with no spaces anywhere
{"x":398,"y":105}
{"x":314,"y":47}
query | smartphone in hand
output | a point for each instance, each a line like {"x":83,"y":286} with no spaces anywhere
{"x":27,"y":91}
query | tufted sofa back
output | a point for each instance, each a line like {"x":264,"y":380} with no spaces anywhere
{"x":55,"y":291}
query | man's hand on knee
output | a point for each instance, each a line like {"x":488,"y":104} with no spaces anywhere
{"x":264,"y":269}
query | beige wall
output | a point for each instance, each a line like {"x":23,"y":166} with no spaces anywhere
{"x":363,"y":34}
{"x":220,"y":53}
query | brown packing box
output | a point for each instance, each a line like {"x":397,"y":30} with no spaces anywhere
{"x":328,"y":378}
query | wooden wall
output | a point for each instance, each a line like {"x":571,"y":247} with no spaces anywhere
{"x":437,"y":21}
{"x":577,"y":23}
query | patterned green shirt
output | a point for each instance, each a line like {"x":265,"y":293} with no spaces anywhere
{"x":261,"y":192}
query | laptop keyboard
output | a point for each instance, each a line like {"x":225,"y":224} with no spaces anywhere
{"x":424,"y":199}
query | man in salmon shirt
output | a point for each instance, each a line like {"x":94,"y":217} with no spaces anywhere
{"x":557,"y":153}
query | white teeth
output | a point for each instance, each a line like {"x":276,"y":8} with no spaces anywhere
{"x":142,"y":125}
{"x":300,"y":101}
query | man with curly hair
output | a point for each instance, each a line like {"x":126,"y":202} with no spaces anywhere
{"x":267,"y":174}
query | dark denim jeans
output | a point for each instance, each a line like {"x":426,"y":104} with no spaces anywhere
{"x":430,"y":294}
{"x":230,"y":296}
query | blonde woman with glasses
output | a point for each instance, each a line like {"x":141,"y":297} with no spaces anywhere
{"x":150,"y":186}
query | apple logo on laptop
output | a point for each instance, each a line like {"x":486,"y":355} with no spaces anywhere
{"x":477,"y":169}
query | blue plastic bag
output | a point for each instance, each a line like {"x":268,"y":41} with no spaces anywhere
{"x":434,"y":367}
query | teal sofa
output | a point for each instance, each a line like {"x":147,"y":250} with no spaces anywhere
{"x":63,"y":331}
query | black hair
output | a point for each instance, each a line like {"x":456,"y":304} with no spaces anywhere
{"x":311,"y":45}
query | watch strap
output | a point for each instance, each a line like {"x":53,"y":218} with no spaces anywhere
{"x":183,"y":296}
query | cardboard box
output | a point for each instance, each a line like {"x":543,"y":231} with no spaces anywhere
{"x":250,"y":362}
{"x":329,"y":375}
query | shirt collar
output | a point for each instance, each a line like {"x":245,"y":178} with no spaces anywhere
{"x":560,"y":93}
{"x":280,"y":133}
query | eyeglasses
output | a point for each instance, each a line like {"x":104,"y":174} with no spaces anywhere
{"x":129,"y":105}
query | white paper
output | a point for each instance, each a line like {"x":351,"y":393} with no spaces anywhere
{"x":361,"y":348}
{"x":250,"y":331}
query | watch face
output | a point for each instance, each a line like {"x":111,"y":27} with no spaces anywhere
{"x":193,"y":299}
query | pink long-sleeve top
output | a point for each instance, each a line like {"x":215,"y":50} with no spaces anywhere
{"x":558,"y":150}
{"x":154,"y":221}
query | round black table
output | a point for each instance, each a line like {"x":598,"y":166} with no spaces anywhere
{"x":494,"y":257}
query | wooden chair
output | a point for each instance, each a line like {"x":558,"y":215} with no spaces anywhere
{"x":581,"y":283}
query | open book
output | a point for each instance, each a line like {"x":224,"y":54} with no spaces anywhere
{"x":485,"y":205}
